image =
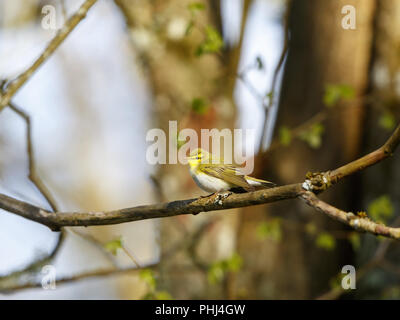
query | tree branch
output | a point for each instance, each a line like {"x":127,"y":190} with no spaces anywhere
{"x":72,"y":22}
{"x":315,"y":182}
{"x":78,"y":277}
{"x":55,"y":221}
{"x":377,"y":260}
{"x":357,"y":222}
{"x":31,"y":159}
{"x":34,"y":178}
{"x":370,"y":159}
{"x":278,"y":67}
{"x":190,"y":246}
{"x":38,"y":183}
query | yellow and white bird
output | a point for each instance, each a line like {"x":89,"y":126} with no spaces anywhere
{"x":219,"y":177}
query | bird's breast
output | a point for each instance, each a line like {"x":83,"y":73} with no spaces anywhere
{"x":209,"y":183}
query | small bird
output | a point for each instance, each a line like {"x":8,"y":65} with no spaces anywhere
{"x":218,"y":177}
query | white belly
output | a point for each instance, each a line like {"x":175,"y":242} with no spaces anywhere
{"x":209,"y":183}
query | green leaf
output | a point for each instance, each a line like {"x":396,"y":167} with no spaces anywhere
{"x":180,"y":141}
{"x":162,"y":295}
{"x":335,"y":92}
{"x":196,"y":6}
{"x":313,"y":135}
{"x":189,"y":28}
{"x":270,"y":95}
{"x":285,"y":135}
{"x":381,"y":208}
{"x":325,"y":241}
{"x":199,"y":105}
{"x":113,"y":245}
{"x":387,"y":121}
{"x":355,"y":240}
{"x":270,"y":230}
{"x":336,"y":281}
{"x":212,"y":43}
{"x":234,"y":263}
{"x":218,"y":269}
{"x":215,"y":273}
{"x":148,"y":277}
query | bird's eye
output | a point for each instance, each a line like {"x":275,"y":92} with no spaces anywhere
{"x":198,"y":158}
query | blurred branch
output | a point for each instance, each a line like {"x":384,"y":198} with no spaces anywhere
{"x":31,"y":159}
{"x":315,"y":182}
{"x":96,"y":243}
{"x":83,"y":276}
{"x":278,"y":67}
{"x":131,"y":256}
{"x":34,"y":178}
{"x":38,"y":263}
{"x":78,"y":277}
{"x":318,"y":118}
{"x":14,"y":277}
{"x":195,"y":240}
{"x":233,"y":55}
{"x":190,"y":245}
{"x":377,"y":260}
{"x":72,"y":22}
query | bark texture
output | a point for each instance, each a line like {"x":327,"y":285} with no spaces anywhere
{"x":321,"y":52}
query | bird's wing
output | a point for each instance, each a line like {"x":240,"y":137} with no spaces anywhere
{"x":228,"y":173}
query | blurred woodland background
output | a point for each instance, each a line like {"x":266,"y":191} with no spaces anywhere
{"x":318,"y":96}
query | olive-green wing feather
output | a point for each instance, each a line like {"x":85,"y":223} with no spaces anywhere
{"x":228,"y":173}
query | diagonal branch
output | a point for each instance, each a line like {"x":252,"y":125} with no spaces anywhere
{"x":274,"y":82}
{"x":349,"y":218}
{"x":318,"y":182}
{"x":31,"y":159}
{"x":70,"y":25}
{"x":41,"y":261}
{"x":370,"y":159}
{"x":38,"y":183}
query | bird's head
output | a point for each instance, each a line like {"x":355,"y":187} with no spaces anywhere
{"x":198,"y":156}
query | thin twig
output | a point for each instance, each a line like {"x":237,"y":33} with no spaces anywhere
{"x":35,"y":265}
{"x":96,"y":243}
{"x":130,"y":255}
{"x":38,"y":183}
{"x":78,"y":277}
{"x":195,"y":239}
{"x":70,"y":25}
{"x":32,"y":175}
{"x":278,"y":67}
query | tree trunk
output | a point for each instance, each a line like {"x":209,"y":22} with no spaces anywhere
{"x":321,"y":52}
{"x":383,"y":179}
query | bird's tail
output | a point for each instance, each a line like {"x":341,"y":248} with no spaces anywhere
{"x":259,"y":184}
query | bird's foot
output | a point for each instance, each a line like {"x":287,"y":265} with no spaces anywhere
{"x":221,"y":196}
